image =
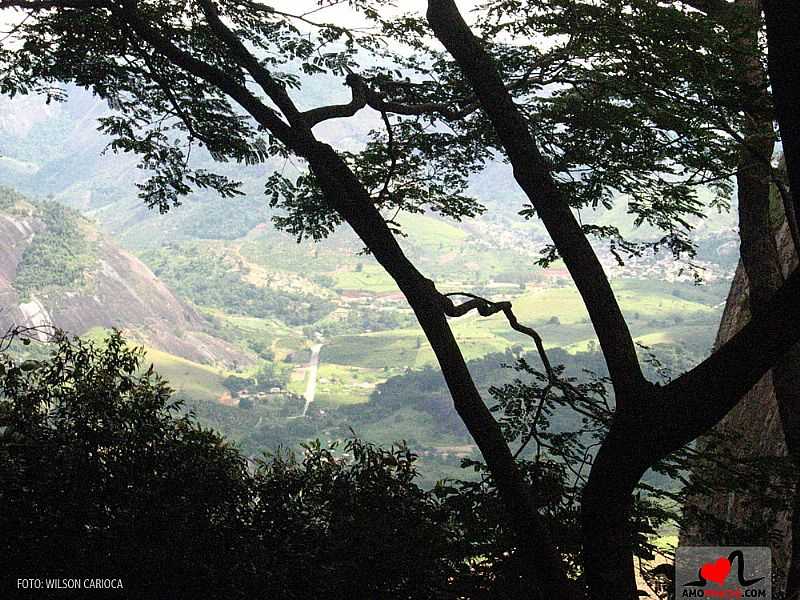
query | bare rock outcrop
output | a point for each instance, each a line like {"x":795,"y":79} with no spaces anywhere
{"x":117,"y":290}
{"x":752,"y":429}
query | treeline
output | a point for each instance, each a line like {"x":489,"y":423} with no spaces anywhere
{"x":425,"y":391}
{"x":104,"y":475}
{"x":362,"y":320}
{"x":214,"y":281}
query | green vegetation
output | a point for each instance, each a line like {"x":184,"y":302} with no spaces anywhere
{"x":360,"y":319}
{"x":268,"y":338}
{"x":572,"y":96}
{"x":369,"y":278}
{"x":189,"y":379}
{"x":96,"y":459}
{"x":430,"y":232}
{"x":216,"y":281}
{"x":372,"y":350}
{"x":8,"y":198}
{"x":278,"y":251}
{"x":339,"y":385}
{"x":58,"y":257}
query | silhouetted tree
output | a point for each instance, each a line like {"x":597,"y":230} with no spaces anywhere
{"x":632,"y":111}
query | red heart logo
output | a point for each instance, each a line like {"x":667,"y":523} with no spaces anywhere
{"x":716,"y":571}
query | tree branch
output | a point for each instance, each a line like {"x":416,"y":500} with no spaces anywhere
{"x":533,"y":176}
{"x":700,"y":398}
{"x":27,"y":334}
{"x":264,"y":115}
{"x":393,"y":159}
{"x":315,"y":116}
{"x":346,"y":194}
{"x":487,"y":308}
{"x":364,"y":96}
{"x":697,"y":400}
{"x":245,"y":58}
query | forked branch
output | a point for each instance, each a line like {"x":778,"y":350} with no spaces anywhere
{"x":363,"y":95}
{"x":487,"y":308}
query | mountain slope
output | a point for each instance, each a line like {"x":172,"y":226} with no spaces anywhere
{"x":56,"y":268}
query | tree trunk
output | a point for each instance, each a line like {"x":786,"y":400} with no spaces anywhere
{"x":783,"y":42}
{"x":546,"y":576}
{"x":607,"y":504}
{"x":649,"y":422}
{"x":760,"y":256}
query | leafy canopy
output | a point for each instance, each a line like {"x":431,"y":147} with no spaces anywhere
{"x":630,"y":99}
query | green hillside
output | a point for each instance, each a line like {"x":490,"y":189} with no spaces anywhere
{"x":273,"y":298}
{"x":188,"y":379}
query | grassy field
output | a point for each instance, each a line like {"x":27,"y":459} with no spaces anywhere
{"x":427,"y":231}
{"x":375,"y":351}
{"x":371,"y":278}
{"x":637,"y":301}
{"x":657,"y":314}
{"x":339,"y":385}
{"x":188,"y":379}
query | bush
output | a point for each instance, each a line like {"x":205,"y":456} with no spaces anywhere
{"x":103,"y":476}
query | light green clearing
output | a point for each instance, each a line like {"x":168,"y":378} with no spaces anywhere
{"x":267,"y":326}
{"x":653,"y":315}
{"x":340,"y":384}
{"x":372,"y":278}
{"x":566,"y":304}
{"x":376,"y":351}
{"x":429,"y":231}
{"x":187,"y":378}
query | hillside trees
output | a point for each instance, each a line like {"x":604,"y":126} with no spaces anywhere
{"x":613,"y":104}
{"x":58,"y":257}
{"x":104,"y":476}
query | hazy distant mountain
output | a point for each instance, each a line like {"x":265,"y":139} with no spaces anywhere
{"x":56,"y":151}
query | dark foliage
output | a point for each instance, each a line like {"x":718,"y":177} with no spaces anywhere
{"x":103,"y":477}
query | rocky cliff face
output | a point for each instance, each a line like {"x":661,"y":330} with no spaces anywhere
{"x":752,"y":429}
{"x":115,"y":290}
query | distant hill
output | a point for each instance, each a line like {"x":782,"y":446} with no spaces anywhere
{"x":216,"y":293}
{"x":57,"y":268}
